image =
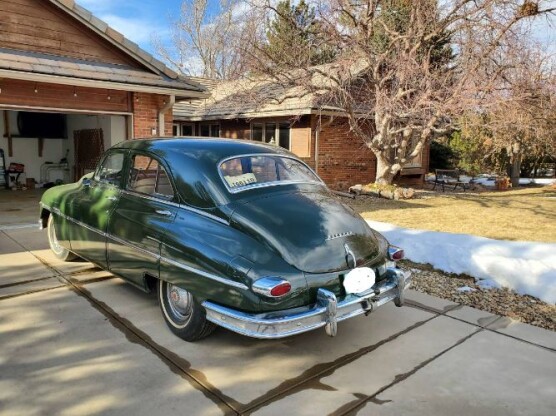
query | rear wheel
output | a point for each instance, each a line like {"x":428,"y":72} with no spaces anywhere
{"x":183,"y":314}
{"x":59,"y":251}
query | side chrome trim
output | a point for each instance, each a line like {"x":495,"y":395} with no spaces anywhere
{"x":205,"y":214}
{"x":204,"y":274}
{"x":211,"y":276}
{"x":82,"y":224}
{"x":133,"y":246}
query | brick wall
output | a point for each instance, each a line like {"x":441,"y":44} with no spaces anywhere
{"x":343,"y":160}
{"x":145,"y":115}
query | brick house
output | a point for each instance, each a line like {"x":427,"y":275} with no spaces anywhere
{"x":318,"y":134}
{"x":71,"y":86}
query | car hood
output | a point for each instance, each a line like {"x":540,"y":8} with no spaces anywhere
{"x":310,"y":230}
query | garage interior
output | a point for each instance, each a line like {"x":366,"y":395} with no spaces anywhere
{"x":54,"y":147}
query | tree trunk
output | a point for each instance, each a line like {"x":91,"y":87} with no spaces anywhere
{"x":515,"y":169}
{"x":384,"y":174}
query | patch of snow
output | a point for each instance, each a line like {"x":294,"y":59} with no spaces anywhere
{"x":527,"y":267}
{"x":466,"y":289}
{"x":487,"y":284}
{"x":485,"y":181}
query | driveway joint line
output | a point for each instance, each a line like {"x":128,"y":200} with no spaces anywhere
{"x":354,"y":409}
{"x":255,"y":405}
{"x":30,"y":292}
{"x":79,"y":290}
{"x":485,"y":327}
{"x":25,"y":282}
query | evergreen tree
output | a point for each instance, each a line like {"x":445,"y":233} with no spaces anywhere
{"x":294,"y":37}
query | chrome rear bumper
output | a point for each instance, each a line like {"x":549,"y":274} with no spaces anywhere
{"x":327,"y":312}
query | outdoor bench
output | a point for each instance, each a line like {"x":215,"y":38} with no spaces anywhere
{"x":445,"y":177}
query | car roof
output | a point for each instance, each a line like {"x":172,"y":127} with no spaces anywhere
{"x":193,"y":162}
{"x":209,"y":150}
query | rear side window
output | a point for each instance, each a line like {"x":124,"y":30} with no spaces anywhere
{"x":149,"y":177}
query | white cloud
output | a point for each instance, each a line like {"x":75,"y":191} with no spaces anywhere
{"x":138,"y":30}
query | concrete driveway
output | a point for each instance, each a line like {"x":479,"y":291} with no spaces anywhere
{"x":76,"y":340}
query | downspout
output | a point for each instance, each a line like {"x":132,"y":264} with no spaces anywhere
{"x":166,"y":107}
{"x":317,"y":133}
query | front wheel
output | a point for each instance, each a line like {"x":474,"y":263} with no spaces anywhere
{"x":59,"y":251}
{"x":183,"y":314}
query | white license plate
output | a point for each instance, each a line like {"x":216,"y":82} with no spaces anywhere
{"x":359,"y":280}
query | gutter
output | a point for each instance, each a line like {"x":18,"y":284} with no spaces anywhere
{"x":166,"y":107}
{"x":90,"y":83}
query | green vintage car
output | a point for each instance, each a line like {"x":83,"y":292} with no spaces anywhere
{"x":227,"y":232}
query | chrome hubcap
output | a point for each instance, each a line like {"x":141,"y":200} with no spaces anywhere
{"x":179,"y":300}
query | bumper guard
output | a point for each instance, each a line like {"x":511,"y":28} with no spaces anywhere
{"x":327,"y":312}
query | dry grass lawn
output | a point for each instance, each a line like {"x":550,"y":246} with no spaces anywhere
{"x":524,"y":214}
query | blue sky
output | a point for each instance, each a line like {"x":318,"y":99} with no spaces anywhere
{"x":138,"y":20}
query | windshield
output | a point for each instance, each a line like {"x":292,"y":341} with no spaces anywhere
{"x":252,"y":171}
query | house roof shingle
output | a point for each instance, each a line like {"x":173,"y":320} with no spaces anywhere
{"x":50,"y":65}
{"x":157,"y":77}
{"x":245,"y":98}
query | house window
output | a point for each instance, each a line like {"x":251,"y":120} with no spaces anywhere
{"x":210,"y":130}
{"x":188,"y":129}
{"x":257,"y":132}
{"x":183,"y":129}
{"x":272,"y":133}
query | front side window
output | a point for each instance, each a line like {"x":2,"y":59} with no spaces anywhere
{"x":111,"y":169}
{"x":149,"y":177}
{"x":250,"y":171}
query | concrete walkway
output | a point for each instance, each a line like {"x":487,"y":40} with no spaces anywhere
{"x":75,"y":340}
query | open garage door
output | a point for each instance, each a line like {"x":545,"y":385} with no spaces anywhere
{"x":44,"y":142}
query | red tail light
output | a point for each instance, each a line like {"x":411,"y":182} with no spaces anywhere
{"x":273,"y":287}
{"x":281,"y":289}
{"x":395,"y":253}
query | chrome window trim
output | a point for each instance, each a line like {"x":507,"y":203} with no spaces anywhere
{"x":150,"y":198}
{"x":266,"y":184}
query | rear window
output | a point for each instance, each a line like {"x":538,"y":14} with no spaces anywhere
{"x":245,"y":172}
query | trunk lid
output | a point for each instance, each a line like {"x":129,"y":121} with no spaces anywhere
{"x":312,"y":231}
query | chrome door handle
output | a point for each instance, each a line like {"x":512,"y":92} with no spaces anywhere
{"x":163,"y":212}
{"x":112,"y":198}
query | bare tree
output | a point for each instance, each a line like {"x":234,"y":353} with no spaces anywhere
{"x":206,"y":41}
{"x":406,"y":68}
{"x":520,"y":112}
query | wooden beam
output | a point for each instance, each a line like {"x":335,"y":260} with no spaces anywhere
{"x":8,"y":134}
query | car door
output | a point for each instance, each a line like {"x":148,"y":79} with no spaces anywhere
{"x":92,"y":208}
{"x":146,"y":208}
